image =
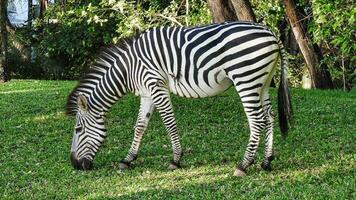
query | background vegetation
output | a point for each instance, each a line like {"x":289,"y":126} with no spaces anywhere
{"x":316,"y":161}
{"x":74,"y":34}
{"x":333,"y":28}
{"x":68,"y":36}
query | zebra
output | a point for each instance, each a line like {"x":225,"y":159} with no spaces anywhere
{"x":192,"y":62}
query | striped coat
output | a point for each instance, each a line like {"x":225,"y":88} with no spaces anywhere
{"x":193,"y":62}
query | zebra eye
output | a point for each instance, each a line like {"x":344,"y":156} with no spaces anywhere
{"x":78,"y":129}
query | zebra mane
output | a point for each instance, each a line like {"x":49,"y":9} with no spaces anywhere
{"x":94,"y":74}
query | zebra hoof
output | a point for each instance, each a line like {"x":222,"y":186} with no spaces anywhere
{"x":173,"y":166}
{"x":239,"y":173}
{"x":266,"y":166}
{"x":124,"y":165}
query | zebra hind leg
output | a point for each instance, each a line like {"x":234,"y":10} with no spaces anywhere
{"x":251,"y":100}
{"x":145,"y":113}
{"x":268,"y":156}
{"x":268,"y":112}
{"x":163,"y":103}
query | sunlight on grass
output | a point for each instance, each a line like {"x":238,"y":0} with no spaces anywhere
{"x":316,"y":160}
{"x":43,"y":118}
{"x":346,"y":162}
{"x":30,"y":90}
{"x":126,"y":185}
{"x":166,"y":180}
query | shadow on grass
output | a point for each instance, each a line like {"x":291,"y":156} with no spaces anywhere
{"x":203,"y":182}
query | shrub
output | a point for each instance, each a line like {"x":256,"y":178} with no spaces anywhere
{"x":74,"y":34}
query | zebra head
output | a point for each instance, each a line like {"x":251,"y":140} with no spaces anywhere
{"x":89,"y":133}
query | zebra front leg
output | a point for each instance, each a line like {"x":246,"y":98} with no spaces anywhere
{"x":145,"y":113}
{"x":268,"y":157}
{"x":163,"y":103}
{"x":257,"y":124}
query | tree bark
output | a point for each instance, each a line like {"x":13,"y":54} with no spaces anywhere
{"x":221,"y":11}
{"x":243,"y":10}
{"x":323,"y":75}
{"x":29,"y":13}
{"x":318,"y":77}
{"x":4,"y":75}
{"x":231,"y":10}
{"x":43,"y":7}
{"x":63,"y":4}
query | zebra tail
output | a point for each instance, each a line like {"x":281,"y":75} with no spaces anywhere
{"x":284,"y":102}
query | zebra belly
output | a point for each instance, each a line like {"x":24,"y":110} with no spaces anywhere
{"x":217,"y":84}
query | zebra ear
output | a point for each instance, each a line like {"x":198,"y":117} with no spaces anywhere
{"x":82,"y":102}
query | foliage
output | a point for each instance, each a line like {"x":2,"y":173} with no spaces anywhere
{"x":17,"y":54}
{"x":68,"y":38}
{"x":76,"y":33}
{"x":269,"y":12}
{"x":333,"y":28}
{"x":317,"y":160}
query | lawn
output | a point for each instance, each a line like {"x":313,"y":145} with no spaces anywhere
{"x":316,"y":161}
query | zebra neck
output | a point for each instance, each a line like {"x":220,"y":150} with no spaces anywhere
{"x":109,"y":89}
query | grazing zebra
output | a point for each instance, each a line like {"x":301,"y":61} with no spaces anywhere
{"x":193,"y":62}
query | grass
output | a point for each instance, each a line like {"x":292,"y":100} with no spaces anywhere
{"x":316,"y":161}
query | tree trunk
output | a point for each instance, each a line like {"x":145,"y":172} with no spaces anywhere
{"x":221,"y":11}
{"x":231,"y":10}
{"x":43,"y":7}
{"x":323,"y":75}
{"x":243,"y":10}
{"x":63,"y":4}
{"x":29,"y":14}
{"x":306,"y":48}
{"x":4,"y":75}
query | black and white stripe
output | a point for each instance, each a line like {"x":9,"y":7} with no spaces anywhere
{"x":192,"y":62}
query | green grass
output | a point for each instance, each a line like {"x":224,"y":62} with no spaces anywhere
{"x":316,"y":161}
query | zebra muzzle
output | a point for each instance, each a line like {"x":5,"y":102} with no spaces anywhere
{"x":80,"y":164}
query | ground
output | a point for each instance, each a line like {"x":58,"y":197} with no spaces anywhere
{"x":315,"y":161}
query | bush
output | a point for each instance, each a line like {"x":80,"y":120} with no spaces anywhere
{"x":333,"y":28}
{"x":74,"y":34}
